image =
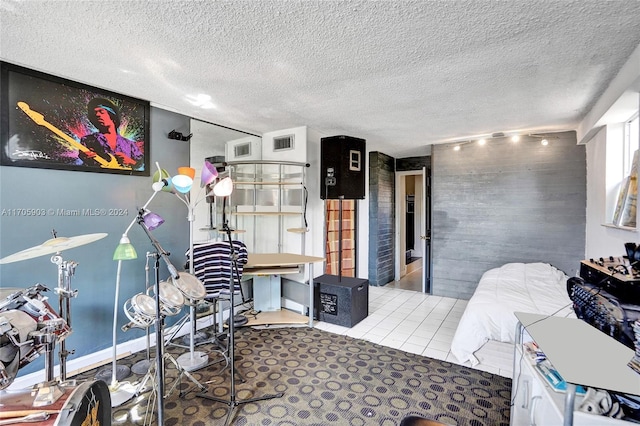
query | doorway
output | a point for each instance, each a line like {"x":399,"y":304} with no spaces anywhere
{"x":413,"y":253}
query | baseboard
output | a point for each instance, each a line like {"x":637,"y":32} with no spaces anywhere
{"x":105,"y":356}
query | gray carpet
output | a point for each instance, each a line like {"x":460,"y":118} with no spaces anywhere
{"x":326,"y":379}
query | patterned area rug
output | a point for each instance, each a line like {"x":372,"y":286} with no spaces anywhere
{"x":325,"y":379}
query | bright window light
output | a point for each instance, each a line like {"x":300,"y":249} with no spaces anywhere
{"x":631,"y":142}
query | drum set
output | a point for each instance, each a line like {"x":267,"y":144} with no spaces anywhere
{"x":29,"y":327}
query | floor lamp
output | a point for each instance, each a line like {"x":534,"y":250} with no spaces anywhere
{"x":183,"y":183}
{"x":122,"y":392}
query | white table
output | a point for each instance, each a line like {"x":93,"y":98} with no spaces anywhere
{"x":262,"y":264}
{"x":582,"y":354}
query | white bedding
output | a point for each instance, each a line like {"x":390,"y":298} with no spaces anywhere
{"x":513,"y":287}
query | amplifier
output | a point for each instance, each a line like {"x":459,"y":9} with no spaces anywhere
{"x":615,"y":275}
{"x":603,"y":310}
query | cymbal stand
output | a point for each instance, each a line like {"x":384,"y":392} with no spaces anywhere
{"x":233,"y":401}
{"x":66,"y":269}
{"x":49,"y":391}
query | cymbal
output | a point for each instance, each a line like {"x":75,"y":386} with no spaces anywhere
{"x":53,"y":245}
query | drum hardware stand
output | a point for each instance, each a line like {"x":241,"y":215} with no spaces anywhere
{"x":49,"y":392}
{"x":66,"y":269}
{"x":233,"y":402}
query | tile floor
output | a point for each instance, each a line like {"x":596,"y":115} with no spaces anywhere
{"x":410,"y":321}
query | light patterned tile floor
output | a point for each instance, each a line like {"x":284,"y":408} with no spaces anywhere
{"x":410,"y":321}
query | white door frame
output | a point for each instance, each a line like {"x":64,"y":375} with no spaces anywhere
{"x":400,"y":216}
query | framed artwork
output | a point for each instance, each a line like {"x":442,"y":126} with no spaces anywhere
{"x":54,"y":123}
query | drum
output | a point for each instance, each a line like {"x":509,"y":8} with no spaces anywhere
{"x":15,"y":329}
{"x":141,"y":311}
{"x":36,"y":306}
{"x":12,"y":297}
{"x":86,"y":404}
{"x":191,"y":287}
{"x":171,"y":299}
{"x":8,"y":297}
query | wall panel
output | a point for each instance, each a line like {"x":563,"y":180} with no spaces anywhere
{"x":381,"y":218}
{"x":506,"y":202}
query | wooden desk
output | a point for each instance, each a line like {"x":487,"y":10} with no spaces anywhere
{"x":282,"y":263}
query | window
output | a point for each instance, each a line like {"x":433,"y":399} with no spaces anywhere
{"x":625,"y":212}
{"x":631,"y":142}
{"x":340,"y":257}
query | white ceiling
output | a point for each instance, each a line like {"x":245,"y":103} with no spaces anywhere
{"x":400,"y":74}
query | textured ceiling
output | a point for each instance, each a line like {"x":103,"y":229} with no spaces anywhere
{"x":400,"y":74}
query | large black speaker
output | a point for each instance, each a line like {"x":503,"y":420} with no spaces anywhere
{"x":342,"y":168}
{"x":341,"y":300}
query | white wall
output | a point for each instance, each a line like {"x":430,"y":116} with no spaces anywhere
{"x":598,"y":131}
{"x":601,"y":241}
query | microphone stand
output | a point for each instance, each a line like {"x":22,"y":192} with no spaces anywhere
{"x":160,"y":356}
{"x":233,"y":402}
{"x":160,"y":252}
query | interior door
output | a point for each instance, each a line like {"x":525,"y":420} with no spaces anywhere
{"x":425,"y":234}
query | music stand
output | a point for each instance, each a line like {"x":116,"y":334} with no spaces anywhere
{"x":233,"y":402}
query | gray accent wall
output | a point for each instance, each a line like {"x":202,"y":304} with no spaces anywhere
{"x":506,"y":202}
{"x":95,"y":274}
{"x":381,"y":218}
{"x":413,"y":163}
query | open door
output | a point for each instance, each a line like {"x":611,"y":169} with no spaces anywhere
{"x":425,"y":234}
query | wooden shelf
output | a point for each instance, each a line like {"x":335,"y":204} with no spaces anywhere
{"x":298,"y":230}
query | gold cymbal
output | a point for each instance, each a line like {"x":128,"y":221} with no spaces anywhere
{"x":53,"y":245}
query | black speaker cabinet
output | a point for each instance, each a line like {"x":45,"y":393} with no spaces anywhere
{"x":342,"y":168}
{"x":341,"y":300}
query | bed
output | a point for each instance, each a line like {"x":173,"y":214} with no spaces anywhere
{"x":513,"y":287}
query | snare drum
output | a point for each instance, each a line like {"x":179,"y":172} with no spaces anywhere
{"x":86,"y":404}
{"x":141,"y":311}
{"x":171,"y":299}
{"x":12,"y":297}
{"x":36,"y":306}
{"x":191,"y":287}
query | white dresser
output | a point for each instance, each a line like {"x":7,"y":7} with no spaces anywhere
{"x":583,"y":356}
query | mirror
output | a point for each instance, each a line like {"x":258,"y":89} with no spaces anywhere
{"x":208,"y":140}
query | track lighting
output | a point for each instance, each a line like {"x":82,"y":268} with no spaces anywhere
{"x":515,"y":138}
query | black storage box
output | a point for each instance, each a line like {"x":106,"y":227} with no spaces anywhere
{"x":341,"y":300}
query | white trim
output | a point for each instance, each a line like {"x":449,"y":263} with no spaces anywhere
{"x":105,"y":356}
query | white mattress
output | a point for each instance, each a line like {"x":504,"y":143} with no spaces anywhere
{"x":514,"y":287}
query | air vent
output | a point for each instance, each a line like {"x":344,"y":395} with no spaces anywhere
{"x":282,"y":143}
{"x":242,"y":150}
